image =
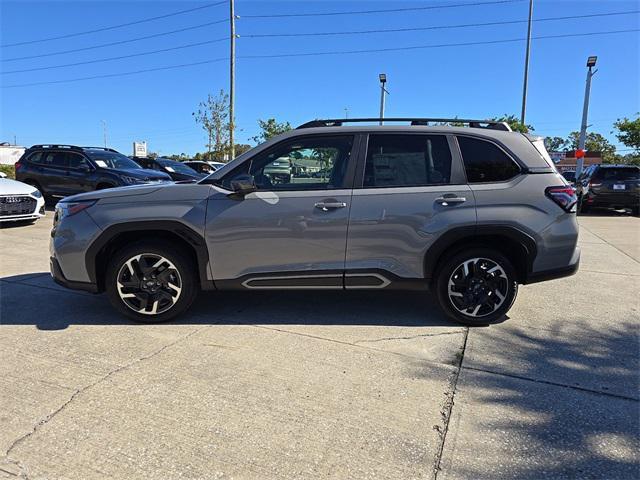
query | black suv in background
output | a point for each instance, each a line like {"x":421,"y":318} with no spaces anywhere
{"x":178,"y":171}
{"x":609,"y":186}
{"x":63,"y":170}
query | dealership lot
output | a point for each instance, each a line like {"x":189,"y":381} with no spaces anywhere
{"x":317,"y":384}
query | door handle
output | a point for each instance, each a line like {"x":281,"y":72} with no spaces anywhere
{"x":450,"y":199}
{"x":326,"y":206}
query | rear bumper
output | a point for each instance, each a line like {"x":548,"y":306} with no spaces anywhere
{"x":59,"y":278}
{"x":629,"y":200}
{"x":559,"y":272}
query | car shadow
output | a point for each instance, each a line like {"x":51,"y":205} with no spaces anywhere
{"x":57,"y":308}
{"x":606,"y":212}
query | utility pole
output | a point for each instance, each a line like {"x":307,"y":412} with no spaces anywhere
{"x":383,"y":80}
{"x":346,"y":112}
{"x":526,"y":65}
{"x":104,"y":132}
{"x":232,"y":79}
{"x":582,"y":140}
{"x":15,"y":141}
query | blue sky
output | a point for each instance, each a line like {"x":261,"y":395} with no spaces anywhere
{"x":476,"y":81}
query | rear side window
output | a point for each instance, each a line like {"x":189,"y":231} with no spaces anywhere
{"x":55,"y":159}
{"x":407,"y":160}
{"x":485,"y":161}
{"x":617,"y":173}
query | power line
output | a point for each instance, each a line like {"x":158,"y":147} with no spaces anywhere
{"x":99,"y":60}
{"x":340,"y":52}
{"x":113,"y":27}
{"x":389,"y":10}
{"x":122,"y":74}
{"x":434,"y":27}
{"x":417,"y":47}
{"x":121,"y":42}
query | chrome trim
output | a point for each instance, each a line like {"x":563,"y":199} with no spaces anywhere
{"x":385,"y":281}
{"x":247,"y":282}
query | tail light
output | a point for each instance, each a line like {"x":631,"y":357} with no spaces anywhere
{"x":17,"y":166}
{"x":564,"y":196}
{"x":592,"y":184}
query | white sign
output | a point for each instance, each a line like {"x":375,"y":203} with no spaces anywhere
{"x":139,"y":149}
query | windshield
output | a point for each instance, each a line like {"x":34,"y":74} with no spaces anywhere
{"x":621,"y":173}
{"x":179,"y":167}
{"x":106,"y":159}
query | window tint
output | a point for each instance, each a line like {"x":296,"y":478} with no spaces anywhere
{"x":485,"y":162}
{"x":407,"y":160}
{"x":306,"y":164}
{"x":76,"y":161}
{"x":55,"y":159}
{"x":617,"y":173}
{"x":36,"y":157}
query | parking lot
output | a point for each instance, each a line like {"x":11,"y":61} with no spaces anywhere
{"x":315,"y":384}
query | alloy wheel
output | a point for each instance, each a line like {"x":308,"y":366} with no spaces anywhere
{"x":149,"y":284}
{"x":478,"y":287}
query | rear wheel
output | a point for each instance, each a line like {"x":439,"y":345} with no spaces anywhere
{"x":477,"y":286}
{"x":151,"y":282}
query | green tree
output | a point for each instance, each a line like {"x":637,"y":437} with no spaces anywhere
{"x":555,"y":144}
{"x":271,"y":128}
{"x":628,"y":132}
{"x":514,"y":123}
{"x":213,"y":115}
{"x":594,"y":142}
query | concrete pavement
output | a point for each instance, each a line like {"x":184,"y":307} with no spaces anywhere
{"x":323,"y":385}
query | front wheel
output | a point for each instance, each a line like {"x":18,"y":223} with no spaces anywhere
{"x":151,"y":282}
{"x":476,"y":287}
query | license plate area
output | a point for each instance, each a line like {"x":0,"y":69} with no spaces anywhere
{"x":617,"y":186}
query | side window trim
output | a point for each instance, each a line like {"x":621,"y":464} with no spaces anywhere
{"x":500,"y":147}
{"x":348,"y":180}
{"x":457,"y":176}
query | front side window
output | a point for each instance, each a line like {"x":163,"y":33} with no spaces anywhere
{"x":486,"y":162}
{"x":305,"y":164}
{"x":76,"y":161}
{"x":407,"y":160}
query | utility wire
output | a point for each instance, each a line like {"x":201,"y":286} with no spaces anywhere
{"x":122,"y":74}
{"x":113,"y":27}
{"x":434,"y":27}
{"x":389,"y":10}
{"x":121,"y":42}
{"x":98,"y":60}
{"x":339,"y":52}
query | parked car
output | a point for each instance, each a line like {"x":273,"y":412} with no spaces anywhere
{"x":570,"y":176}
{"x":63,"y":170}
{"x":609,"y":186}
{"x":19,"y":201}
{"x":177,"y":170}
{"x":468,"y":213}
{"x":201,"y":167}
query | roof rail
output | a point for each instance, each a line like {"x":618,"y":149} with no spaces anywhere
{"x":337,"y":122}
{"x":50,"y":145}
{"x":106,"y":149}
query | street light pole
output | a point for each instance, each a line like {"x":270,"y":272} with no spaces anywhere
{"x":383,"y":80}
{"x":526,"y":65}
{"x":582,"y":140}
{"x":232,"y":79}
{"x":104,"y":132}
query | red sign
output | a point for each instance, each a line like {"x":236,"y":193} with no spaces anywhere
{"x":579,"y":153}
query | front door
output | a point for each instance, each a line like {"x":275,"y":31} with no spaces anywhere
{"x":412,"y":190}
{"x":291,"y":232}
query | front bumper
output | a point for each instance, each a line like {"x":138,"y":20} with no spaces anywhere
{"x":59,"y":278}
{"x":38,"y":212}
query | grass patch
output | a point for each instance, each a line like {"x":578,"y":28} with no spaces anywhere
{"x":9,"y":170}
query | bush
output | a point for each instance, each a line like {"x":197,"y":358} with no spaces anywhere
{"x":9,"y":170}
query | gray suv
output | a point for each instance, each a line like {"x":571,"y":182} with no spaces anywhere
{"x":468,"y":212}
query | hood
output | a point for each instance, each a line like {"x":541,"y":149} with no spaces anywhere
{"x":128,"y":191}
{"x":13,"y":187}
{"x":142,"y":173}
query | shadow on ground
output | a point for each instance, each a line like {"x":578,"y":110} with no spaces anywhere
{"x":560,"y":406}
{"x":35,"y":299}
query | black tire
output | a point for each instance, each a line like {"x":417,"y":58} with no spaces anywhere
{"x":187,"y":278}
{"x":582,"y":206}
{"x":506,"y":286}
{"x":635,"y":211}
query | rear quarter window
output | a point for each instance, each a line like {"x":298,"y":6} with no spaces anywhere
{"x":485,"y":161}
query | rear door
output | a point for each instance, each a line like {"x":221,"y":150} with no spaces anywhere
{"x":411,"y":189}
{"x":54,"y":172}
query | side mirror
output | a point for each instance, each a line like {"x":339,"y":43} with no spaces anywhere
{"x":84,"y":168}
{"x":243,"y":185}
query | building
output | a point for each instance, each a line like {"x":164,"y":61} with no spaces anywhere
{"x":10,"y":154}
{"x":566,"y":161}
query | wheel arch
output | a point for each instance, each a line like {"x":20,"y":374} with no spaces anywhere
{"x":518,"y":246}
{"x":119,"y":235}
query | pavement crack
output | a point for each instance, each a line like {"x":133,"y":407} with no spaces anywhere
{"x":408,"y":338}
{"x":23,"y":471}
{"x":447,"y":408}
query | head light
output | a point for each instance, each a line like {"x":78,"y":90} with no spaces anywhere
{"x":36,"y":193}
{"x":66,"y":209}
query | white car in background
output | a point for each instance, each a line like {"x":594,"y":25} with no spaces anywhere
{"x":19,"y":201}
